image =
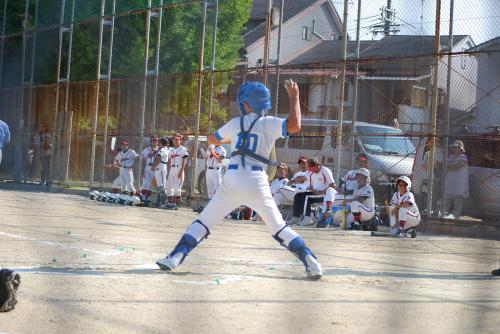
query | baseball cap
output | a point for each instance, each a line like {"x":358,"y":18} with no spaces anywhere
{"x":124,"y":142}
{"x":302,"y":159}
{"x":153,"y":138}
{"x":459,"y":144}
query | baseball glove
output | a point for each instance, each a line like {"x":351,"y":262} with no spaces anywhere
{"x":9,"y":283}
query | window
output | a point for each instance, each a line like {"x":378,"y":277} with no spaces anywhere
{"x":387,"y":141}
{"x":309,"y":138}
{"x":305,"y":33}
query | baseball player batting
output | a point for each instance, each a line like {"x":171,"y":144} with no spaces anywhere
{"x":252,"y":136}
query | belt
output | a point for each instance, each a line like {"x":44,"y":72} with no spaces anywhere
{"x":150,"y":164}
{"x":163,"y":162}
{"x":175,"y":166}
{"x":213,"y":168}
{"x":254,"y":168}
{"x":127,"y":167}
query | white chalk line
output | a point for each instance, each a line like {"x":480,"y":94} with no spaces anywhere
{"x":231,"y":259}
{"x":63,"y":245}
{"x":217,"y":280}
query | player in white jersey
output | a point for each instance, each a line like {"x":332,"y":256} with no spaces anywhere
{"x":159,"y":168}
{"x":320,"y":181}
{"x":280,"y":180}
{"x":363,"y":203}
{"x":148,"y":155}
{"x":245,"y":183}
{"x":125,"y":160}
{"x":403,"y":209}
{"x":214,"y":168}
{"x":175,"y":178}
{"x":299,"y":183}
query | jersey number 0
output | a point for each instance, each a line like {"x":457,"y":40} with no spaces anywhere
{"x":251,"y":142}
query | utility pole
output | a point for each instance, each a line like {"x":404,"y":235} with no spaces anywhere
{"x":356,"y":83}
{"x":67,"y":112}
{"x":278,"y":61}
{"x":140,"y":142}
{"x":267,"y":39}
{"x":388,"y":18}
{"x":340,"y":118}
{"x":212,"y":67}
{"x":434,"y":105}
{"x":447,"y":108}
{"x":97,"y":87}
{"x":111,"y":23}
{"x":159,"y":16}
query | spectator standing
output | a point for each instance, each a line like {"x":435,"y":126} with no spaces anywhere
{"x":457,"y":180}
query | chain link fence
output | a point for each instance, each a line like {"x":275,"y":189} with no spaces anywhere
{"x":414,"y":104}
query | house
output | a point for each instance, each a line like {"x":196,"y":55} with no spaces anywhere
{"x":488,"y":84}
{"x":306,"y":23}
{"x":394,"y":71}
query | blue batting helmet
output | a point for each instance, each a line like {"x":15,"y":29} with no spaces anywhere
{"x":256,"y":94}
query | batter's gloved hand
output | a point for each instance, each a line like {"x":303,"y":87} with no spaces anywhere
{"x":9,"y":283}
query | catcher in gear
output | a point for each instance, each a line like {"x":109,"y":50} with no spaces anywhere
{"x":9,"y":283}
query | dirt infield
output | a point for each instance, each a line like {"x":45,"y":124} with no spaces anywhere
{"x":88,"y":267}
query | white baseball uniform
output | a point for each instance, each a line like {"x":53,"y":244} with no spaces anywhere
{"x":276,"y":186}
{"x":174,"y":182}
{"x":366,"y":207}
{"x":148,"y":154}
{"x":286,"y":193}
{"x":321,"y":182}
{"x":125,"y":180}
{"x":410,"y":215}
{"x":247,"y":185}
{"x":161,"y":170}
{"x":214,"y":172}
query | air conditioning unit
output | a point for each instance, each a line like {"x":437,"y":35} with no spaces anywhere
{"x":418,"y":97}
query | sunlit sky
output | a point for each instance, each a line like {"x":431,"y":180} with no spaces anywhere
{"x":478,"y":18}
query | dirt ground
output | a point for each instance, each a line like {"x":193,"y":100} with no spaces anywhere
{"x":88,"y":267}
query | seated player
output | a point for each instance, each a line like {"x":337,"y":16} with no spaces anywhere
{"x":280,"y":180}
{"x":403,"y":209}
{"x":298,"y":183}
{"x":362,"y":204}
{"x":320,"y":179}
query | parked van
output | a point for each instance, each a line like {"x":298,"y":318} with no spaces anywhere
{"x":390,"y":153}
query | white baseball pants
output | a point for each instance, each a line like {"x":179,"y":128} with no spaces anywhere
{"x":285,"y":195}
{"x":174,"y":182}
{"x":125,"y":180}
{"x":214,"y":180}
{"x":148,"y":177}
{"x":161,"y":176}
{"x":366,"y":213}
{"x":243,"y":187}
{"x":411,"y":219}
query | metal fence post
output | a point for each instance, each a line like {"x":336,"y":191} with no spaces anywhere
{"x":212,"y":67}
{"x":198,"y":97}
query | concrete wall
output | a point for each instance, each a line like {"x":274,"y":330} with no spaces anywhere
{"x":488,"y":79}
